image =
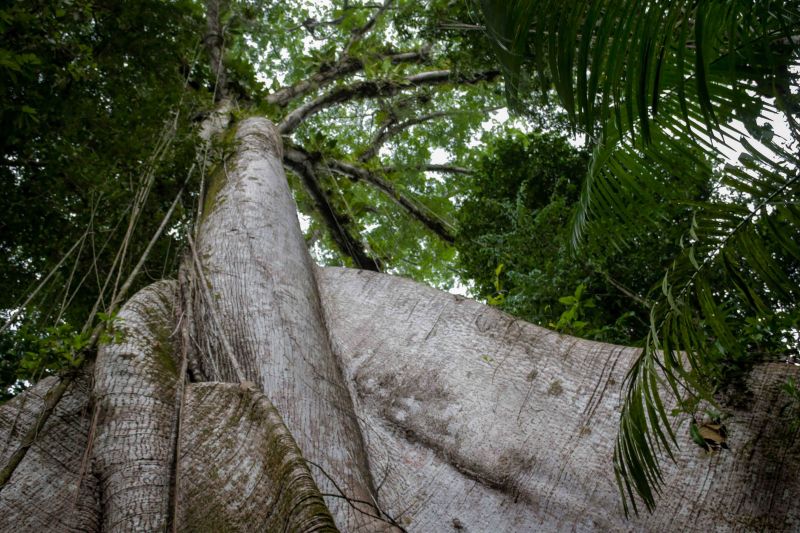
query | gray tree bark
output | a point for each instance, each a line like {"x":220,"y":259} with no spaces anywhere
{"x":325,"y":398}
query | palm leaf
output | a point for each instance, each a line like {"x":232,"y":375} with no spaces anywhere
{"x":661,"y":88}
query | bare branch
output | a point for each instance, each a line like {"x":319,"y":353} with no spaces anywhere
{"x":349,"y":244}
{"x":452,"y":169}
{"x":325,"y":76}
{"x":377,"y":88}
{"x":391,"y":128}
{"x":311,"y":24}
{"x":423,"y":54}
{"x":461,"y":26}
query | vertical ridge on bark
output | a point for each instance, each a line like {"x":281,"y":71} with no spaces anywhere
{"x":49,"y":491}
{"x":263,"y":289}
{"x":135,"y":380}
{"x":257,"y":480}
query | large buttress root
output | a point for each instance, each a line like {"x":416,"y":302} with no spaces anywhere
{"x":238,"y":469}
{"x":478,"y":419}
{"x":135,"y":385}
{"x":51,"y":489}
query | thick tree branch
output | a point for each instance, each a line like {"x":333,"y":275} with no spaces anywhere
{"x":349,"y":244}
{"x":377,"y":88}
{"x":429,"y":219}
{"x":452,"y":169}
{"x":344,"y":67}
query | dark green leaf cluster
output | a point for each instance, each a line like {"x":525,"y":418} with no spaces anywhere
{"x":94,"y":105}
{"x":515,"y":243}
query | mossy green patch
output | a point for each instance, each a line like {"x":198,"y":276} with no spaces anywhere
{"x":216,"y":182}
{"x":225,"y":147}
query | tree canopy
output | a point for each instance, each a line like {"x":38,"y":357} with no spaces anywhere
{"x":515,"y":242}
{"x":96,"y":142}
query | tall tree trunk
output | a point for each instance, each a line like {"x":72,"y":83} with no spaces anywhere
{"x":263,"y":321}
{"x":404,"y":407}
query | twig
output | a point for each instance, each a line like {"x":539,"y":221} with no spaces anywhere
{"x":391,"y":128}
{"x":33,"y":294}
{"x":433,"y":168}
{"x":360,"y":33}
{"x":350,"y":501}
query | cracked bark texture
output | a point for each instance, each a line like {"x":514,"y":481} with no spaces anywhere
{"x":257,"y":480}
{"x":427,"y":407}
{"x":51,"y":489}
{"x":134,"y":391}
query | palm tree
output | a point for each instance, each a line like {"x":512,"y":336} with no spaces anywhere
{"x":667,"y":88}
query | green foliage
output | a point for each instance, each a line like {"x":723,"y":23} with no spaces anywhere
{"x":792,"y":390}
{"x":96,"y":113}
{"x":660,"y":91}
{"x":577,"y":306}
{"x":516,"y":213}
{"x":31,"y":352}
{"x":344,"y":132}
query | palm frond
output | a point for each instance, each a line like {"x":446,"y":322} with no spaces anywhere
{"x":663,"y":89}
{"x":745,"y":234}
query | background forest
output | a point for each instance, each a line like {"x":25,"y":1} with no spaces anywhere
{"x":644,"y":190}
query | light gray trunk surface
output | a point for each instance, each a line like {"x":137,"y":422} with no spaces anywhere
{"x":438,"y":411}
{"x":478,"y":419}
{"x":50,"y":490}
{"x":134,"y":396}
{"x":264,"y":324}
